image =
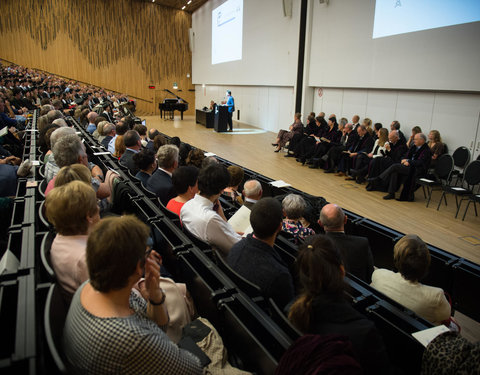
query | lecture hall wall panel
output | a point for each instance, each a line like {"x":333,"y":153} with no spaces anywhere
{"x":122,"y":45}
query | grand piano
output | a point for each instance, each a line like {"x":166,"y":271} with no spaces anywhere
{"x":169,"y":105}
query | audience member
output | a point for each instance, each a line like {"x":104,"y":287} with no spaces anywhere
{"x":395,"y":125}
{"x":120,"y":129}
{"x":146,"y":162}
{"x":119,"y":145}
{"x":51,"y":167}
{"x":322,"y":308}
{"x":74,"y":172}
{"x":161,"y":181}
{"x":284,"y":136}
{"x":334,"y":155}
{"x":368,"y":125}
{"x":195,"y":158}
{"x":109,"y":132}
{"x":73,"y":211}
{"x":133,"y":145}
{"x":185,"y":183}
{"x":142,"y":132}
{"x":252,"y":190}
{"x":330,"y":137}
{"x":236,"y":178}
{"x":203,"y":215}
{"x":305,"y":144}
{"x":152,"y":133}
{"x":255,"y":259}
{"x":412,"y":259}
{"x":437,"y":147}
{"x":293,"y":208}
{"x":363,"y":143}
{"x":415,"y":130}
{"x":91,"y":127}
{"x":158,"y":142}
{"x":108,"y":308}
{"x":356,"y":254}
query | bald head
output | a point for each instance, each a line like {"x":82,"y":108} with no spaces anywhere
{"x":355,"y":119}
{"x":91,"y":117}
{"x":393,"y":136}
{"x":332,"y":218}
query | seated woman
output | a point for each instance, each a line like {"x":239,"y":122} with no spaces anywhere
{"x":294,"y":207}
{"x":146,"y":161}
{"x":231,"y":191}
{"x":368,"y":124}
{"x":415,"y":130}
{"x":73,"y":211}
{"x":284,"y":136}
{"x":412,"y":259}
{"x":127,"y":326}
{"x":322,"y":308}
{"x":185,"y":182}
{"x":363,"y":160}
{"x":195,"y":158}
{"x":120,"y":147}
{"x":437,"y":147}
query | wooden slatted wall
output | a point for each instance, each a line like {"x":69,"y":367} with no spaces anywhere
{"x":123,"y":45}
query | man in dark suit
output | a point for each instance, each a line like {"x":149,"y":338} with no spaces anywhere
{"x":252,"y":190}
{"x":415,"y":163}
{"x":161,"y":181}
{"x":110,"y":131}
{"x":364,"y":143}
{"x":255,"y":259}
{"x":334,"y":155}
{"x":133,"y":144}
{"x":151,"y":134}
{"x":356,"y":253}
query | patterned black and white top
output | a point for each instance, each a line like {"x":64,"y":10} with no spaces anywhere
{"x":125,"y":345}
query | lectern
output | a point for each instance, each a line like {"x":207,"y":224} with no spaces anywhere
{"x":221,"y":117}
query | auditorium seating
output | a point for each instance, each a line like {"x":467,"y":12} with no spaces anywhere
{"x":255,"y":332}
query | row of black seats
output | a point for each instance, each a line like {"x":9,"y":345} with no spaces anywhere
{"x":251,"y":325}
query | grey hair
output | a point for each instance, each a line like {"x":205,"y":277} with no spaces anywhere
{"x":59,"y":133}
{"x":349,"y":126}
{"x":254,"y":190}
{"x":344,"y":121}
{"x":107,"y":127}
{"x":59,"y":122}
{"x":167,"y":155}
{"x":44,"y":109}
{"x":67,"y":149}
{"x":423,"y":136}
{"x":294,"y":206}
{"x":335,"y":220}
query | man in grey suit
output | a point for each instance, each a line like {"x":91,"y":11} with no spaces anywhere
{"x":355,"y":250}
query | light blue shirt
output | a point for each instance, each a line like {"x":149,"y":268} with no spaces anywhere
{"x":91,"y":128}
{"x":111,"y":145}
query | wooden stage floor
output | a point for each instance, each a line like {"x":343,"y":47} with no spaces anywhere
{"x":251,"y":148}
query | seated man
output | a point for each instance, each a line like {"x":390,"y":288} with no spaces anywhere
{"x":355,"y":250}
{"x":203,"y":215}
{"x":252,"y":190}
{"x":133,"y":145}
{"x":414,"y":164}
{"x":161,"y":181}
{"x":109,"y":131}
{"x":91,"y":122}
{"x":255,"y":259}
{"x":364,"y":143}
{"x":334,"y":155}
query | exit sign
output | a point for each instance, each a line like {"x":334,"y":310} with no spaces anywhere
{"x":151,"y":87}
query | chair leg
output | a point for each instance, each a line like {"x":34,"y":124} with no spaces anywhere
{"x":458,"y":206}
{"x":430,"y":191}
{"x":440,"y":201}
{"x":466,"y":209}
{"x":424,"y":195}
{"x":475,"y":205}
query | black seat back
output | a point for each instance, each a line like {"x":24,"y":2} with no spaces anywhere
{"x":461,"y":156}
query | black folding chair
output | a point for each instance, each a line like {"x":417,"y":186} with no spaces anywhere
{"x":442,"y":173}
{"x":471,"y":178}
{"x":461,"y":157}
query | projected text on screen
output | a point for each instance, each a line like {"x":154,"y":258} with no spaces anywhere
{"x":394,"y":17}
{"x":227,"y":24}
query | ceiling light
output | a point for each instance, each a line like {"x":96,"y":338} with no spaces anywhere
{"x":189,"y":2}
{"x":183,"y":7}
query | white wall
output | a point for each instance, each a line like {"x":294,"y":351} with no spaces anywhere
{"x":455,"y":115}
{"x":269,"y":108}
{"x":343,"y":53}
{"x":270,"y":46}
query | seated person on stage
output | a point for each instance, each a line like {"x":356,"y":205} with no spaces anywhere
{"x":146,"y":163}
{"x":203,"y":215}
{"x":414,"y":164}
{"x":252,"y":190}
{"x":293,"y":208}
{"x":412,"y":259}
{"x":73,"y":211}
{"x":128,"y":325}
{"x":70,"y":150}
{"x":185,"y":182}
{"x":212,"y":106}
{"x":415,"y":130}
{"x":376,"y":128}
{"x":394,"y":151}
{"x":298,"y":137}
{"x":255,"y":259}
{"x":133,"y":145}
{"x":322,"y":309}
{"x":231,"y":191}
{"x":284,"y":136}
{"x":363,"y":161}
{"x":395,"y":125}
{"x":334,"y":155}
{"x":437,"y":147}
{"x":161,"y":181}
{"x":330,"y":138}
{"x":368,"y":125}
{"x":306,"y":145}
{"x":356,"y":254}
{"x":363,"y":143}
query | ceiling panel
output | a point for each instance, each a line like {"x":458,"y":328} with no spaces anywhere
{"x":178,"y":4}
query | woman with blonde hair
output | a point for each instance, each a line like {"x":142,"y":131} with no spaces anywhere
{"x":120,"y":147}
{"x":437,"y":147}
{"x":368,"y":124}
{"x":322,"y":309}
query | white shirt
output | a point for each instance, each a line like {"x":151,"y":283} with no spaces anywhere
{"x":203,"y":222}
{"x":426,"y":301}
{"x":111,"y":145}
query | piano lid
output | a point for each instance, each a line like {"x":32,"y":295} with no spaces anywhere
{"x":178,"y":97}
